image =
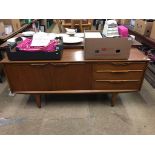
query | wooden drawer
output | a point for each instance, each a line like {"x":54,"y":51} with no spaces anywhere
{"x":116,"y":85}
{"x":118,"y":75}
{"x":119,"y":66}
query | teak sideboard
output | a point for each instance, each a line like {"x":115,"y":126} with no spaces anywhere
{"x":74,"y":74}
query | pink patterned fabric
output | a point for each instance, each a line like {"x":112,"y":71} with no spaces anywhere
{"x":26,"y":46}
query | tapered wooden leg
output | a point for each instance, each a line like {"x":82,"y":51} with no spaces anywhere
{"x":38,"y":100}
{"x":114,"y":95}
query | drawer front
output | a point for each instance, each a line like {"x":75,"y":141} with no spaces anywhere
{"x":119,"y":66}
{"x":118,"y":75}
{"x":116,"y":85}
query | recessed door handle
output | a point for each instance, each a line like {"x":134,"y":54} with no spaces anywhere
{"x":120,"y":64}
{"x":60,"y":64}
{"x":38,"y":64}
{"x":121,"y":71}
{"x":109,"y":81}
{"x":117,"y":81}
{"x":109,"y":71}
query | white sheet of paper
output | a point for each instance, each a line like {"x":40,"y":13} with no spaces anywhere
{"x":41,"y":39}
{"x":51,"y":36}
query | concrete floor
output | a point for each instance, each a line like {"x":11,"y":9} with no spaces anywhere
{"x":134,"y":113}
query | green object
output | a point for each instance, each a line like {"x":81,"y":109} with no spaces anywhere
{"x":27,"y":21}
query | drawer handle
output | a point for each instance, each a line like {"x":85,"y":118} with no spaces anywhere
{"x":117,"y":71}
{"x":108,"y":71}
{"x":117,"y":81}
{"x":60,"y":64}
{"x":125,"y":71}
{"x":109,"y":81}
{"x":38,"y":64}
{"x":120,"y":64}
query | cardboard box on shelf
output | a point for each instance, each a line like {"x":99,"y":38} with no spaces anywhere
{"x":143,"y":27}
{"x":2,"y":29}
{"x":14,"y":22}
{"x":152,"y":36}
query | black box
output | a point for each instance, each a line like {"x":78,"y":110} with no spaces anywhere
{"x":16,"y":55}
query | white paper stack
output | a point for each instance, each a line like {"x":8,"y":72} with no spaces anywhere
{"x":42,"y":38}
{"x":110,"y":29}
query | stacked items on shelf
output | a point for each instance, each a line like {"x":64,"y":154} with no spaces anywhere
{"x":110,"y":29}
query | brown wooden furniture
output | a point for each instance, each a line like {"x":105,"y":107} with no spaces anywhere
{"x":145,"y":40}
{"x":74,"y":74}
{"x":74,"y":23}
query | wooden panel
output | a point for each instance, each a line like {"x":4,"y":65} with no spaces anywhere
{"x":69,"y":76}
{"x":29,"y":77}
{"x":116,"y":85}
{"x":118,"y":75}
{"x":119,"y":66}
